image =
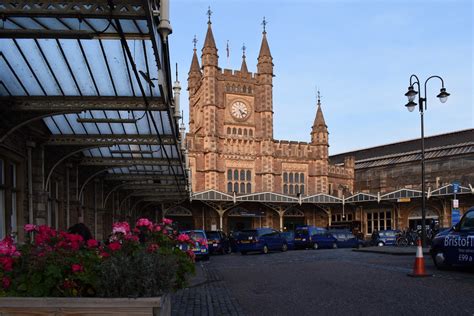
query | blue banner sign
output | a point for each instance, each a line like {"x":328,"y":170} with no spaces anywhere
{"x":455,"y":216}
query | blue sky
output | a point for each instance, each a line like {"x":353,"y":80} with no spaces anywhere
{"x":359,"y":53}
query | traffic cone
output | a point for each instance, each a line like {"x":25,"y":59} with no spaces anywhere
{"x":419,"y":266}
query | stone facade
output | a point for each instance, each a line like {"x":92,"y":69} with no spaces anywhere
{"x":230,"y":140}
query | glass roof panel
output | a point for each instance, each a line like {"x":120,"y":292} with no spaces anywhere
{"x":118,"y":68}
{"x":63,"y":124}
{"x":51,"y":23}
{"x":51,"y":125}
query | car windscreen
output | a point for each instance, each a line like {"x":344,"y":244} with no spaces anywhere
{"x":212,"y":235}
{"x":389,"y":233}
{"x":245,"y":234}
{"x":196,"y":235}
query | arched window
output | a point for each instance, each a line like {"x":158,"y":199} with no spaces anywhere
{"x":297,"y":177}
{"x":291,"y":189}
{"x":245,"y":89}
{"x":245,"y":132}
{"x":242,"y":175}
{"x":297,"y":189}
{"x":227,"y":88}
{"x":285,"y":189}
{"x":302,"y":189}
{"x":240,"y":131}
{"x":285,"y":177}
{"x":302,"y":177}
{"x":229,"y":174}
{"x":236,"y":174}
{"x":229,"y":130}
{"x":250,"y":89}
{"x":234,"y":131}
{"x":249,"y":188}
{"x":291,"y":177}
{"x":250,"y":132}
{"x":242,"y":187}
{"x":233,"y":87}
{"x":236,"y":187}
{"x":249,"y":175}
{"x":229,"y":187}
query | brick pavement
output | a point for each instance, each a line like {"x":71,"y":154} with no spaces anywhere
{"x":206,"y":295}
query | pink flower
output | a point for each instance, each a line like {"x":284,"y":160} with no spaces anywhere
{"x":114,"y":246}
{"x":7,"y":248}
{"x":121,"y":227}
{"x":6,"y":282}
{"x":92,"y":243}
{"x":183,"y":238}
{"x":132,"y":238}
{"x":77,"y":268}
{"x":167,"y":221}
{"x":104,"y":254}
{"x":144,"y":222}
{"x":157,"y":228}
{"x":29,"y":228}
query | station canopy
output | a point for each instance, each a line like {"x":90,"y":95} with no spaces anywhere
{"x":97,"y":73}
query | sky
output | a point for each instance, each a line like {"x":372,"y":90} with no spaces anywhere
{"x":359,"y":53}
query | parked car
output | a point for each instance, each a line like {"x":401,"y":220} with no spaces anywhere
{"x":386,"y":238}
{"x":218,"y":242}
{"x":290,"y":239}
{"x":200,"y":248}
{"x":260,"y":239}
{"x":345,"y":239}
{"x":455,"y":247}
{"x":314,"y":237}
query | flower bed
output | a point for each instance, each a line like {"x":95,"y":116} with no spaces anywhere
{"x":133,"y":263}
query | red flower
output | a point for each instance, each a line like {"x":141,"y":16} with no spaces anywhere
{"x":6,"y":282}
{"x":92,"y":243}
{"x":153,"y":248}
{"x":77,"y":268}
{"x":114,"y":246}
{"x":167,"y":221}
{"x":7,"y":263}
{"x":132,"y":238}
{"x":104,"y":254}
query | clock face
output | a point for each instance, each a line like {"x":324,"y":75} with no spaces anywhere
{"x":239,"y":110}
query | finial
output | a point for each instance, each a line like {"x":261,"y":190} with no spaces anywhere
{"x":264,"y":23}
{"x":195,"y":42}
{"x":243,"y":50}
{"x":209,"y":13}
{"x":319,"y":96}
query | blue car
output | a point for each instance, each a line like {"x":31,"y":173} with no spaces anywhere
{"x":218,"y":242}
{"x":456,"y":245}
{"x":387,"y":237}
{"x":345,"y":239}
{"x":200,"y":248}
{"x":261,"y":239}
{"x":290,"y":239}
{"x":314,"y":237}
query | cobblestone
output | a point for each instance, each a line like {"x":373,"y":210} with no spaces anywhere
{"x":209,"y":296}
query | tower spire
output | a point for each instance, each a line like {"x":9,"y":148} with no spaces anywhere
{"x":319,"y":126}
{"x":209,"y":50}
{"x":243,"y":67}
{"x":265,"y":64}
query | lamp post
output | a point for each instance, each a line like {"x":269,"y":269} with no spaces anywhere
{"x":422,"y":106}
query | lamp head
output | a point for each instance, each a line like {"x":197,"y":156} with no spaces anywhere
{"x":410,"y":106}
{"x":443,"y":95}
{"x":411,"y":94}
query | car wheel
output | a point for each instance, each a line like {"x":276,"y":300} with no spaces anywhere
{"x":284,"y":247}
{"x":243,"y":252}
{"x":439,"y":260}
{"x":380,"y":244}
{"x":315,"y":246}
{"x":334,"y":246}
{"x":265,"y":249}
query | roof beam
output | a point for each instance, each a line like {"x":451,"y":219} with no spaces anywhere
{"x":66,"y":34}
{"x":123,"y":9}
{"x":129,"y":162}
{"x":138,"y":177}
{"x":77,"y":104}
{"x":136,"y":187}
{"x":108,"y":140}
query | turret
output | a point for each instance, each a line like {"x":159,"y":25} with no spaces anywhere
{"x":194,"y":74}
{"x":265,"y":59}
{"x":243,"y":67}
{"x":319,"y":132}
{"x":209,"y":55}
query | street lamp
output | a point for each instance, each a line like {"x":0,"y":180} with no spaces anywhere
{"x":422,"y":105}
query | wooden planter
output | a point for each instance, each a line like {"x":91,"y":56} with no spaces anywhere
{"x":85,"y":306}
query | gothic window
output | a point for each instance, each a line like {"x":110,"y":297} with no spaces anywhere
{"x":245,"y":89}
{"x":250,"y":133}
{"x":234,"y":131}
{"x":241,"y":181}
{"x":227,"y":88}
{"x":293,"y":183}
{"x":245,"y":132}
{"x":240,"y":131}
{"x":233,"y":88}
{"x":228,"y":130}
{"x":250,"y":89}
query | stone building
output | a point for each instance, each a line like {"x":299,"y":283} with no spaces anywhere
{"x":232,"y":149}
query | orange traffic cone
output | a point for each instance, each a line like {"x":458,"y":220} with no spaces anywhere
{"x":419,"y":266}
